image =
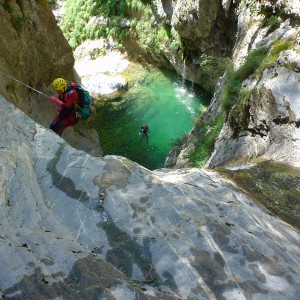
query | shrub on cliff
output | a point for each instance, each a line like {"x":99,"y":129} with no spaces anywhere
{"x":78,"y":23}
{"x":234,"y":79}
{"x":94,"y":19}
{"x":214,"y":67}
{"x":52,"y":3}
{"x":207,"y":134}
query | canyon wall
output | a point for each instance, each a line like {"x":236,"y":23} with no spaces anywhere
{"x":34,"y":51}
{"x":267,"y":124}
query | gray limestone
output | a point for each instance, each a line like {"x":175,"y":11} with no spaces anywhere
{"x":273,"y":129}
{"x":75,"y":226}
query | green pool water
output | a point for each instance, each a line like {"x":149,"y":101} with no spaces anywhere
{"x":163,"y":102}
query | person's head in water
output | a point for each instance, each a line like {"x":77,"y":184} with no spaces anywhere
{"x":145,"y":128}
{"x":59,"y":85}
{"x":145,"y":131}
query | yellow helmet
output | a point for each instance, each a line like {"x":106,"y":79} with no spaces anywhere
{"x":59,"y":84}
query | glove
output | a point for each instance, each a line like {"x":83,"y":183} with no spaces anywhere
{"x":58,"y":107}
{"x":55,"y":100}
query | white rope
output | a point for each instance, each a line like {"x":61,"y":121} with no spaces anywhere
{"x":24,"y":84}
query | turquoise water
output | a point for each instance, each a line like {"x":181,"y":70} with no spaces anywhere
{"x":161,"y":101}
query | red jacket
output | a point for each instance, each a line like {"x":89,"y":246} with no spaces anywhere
{"x":69,"y":99}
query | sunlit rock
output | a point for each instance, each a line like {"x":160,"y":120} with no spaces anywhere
{"x":100,"y":74}
{"x":162,"y":234}
{"x":273,"y":130}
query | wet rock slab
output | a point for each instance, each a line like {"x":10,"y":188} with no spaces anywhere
{"x":274,"y":185}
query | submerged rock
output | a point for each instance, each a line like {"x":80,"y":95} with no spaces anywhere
{"x":157,"y":235}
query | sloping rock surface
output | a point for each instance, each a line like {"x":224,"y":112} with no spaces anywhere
{"x":73,"y":226}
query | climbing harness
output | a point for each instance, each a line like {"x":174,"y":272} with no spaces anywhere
{"x":24,"y":84}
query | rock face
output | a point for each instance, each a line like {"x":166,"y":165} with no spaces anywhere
{"x":74,"y":226}
{"x":203,"y":26}
{"x":34,"y":51}
{"x":270,"y":126}
{"x":199,"y":23}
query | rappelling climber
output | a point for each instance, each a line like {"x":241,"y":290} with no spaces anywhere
{"x":66,"y":101}
{"x":145,"y":132}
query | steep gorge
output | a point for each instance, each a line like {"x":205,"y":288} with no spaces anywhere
{"x":76,"y":226}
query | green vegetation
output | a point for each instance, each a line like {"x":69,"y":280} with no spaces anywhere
{"x":11,"y":88}
{"x":273,"y":22}
{"x":151,"y":37}
{"x":207,"y":134}
{"x":245,"y":94}
{"x":17,"y":22}
{"x":52,"y":3}
{"x":94,"y":19}
{"x":214,"y":67}
{"x":234,"y":79}
{"x":180,"y":141}
{"x":273,"y":55}
{"x":155,"y":38}
{"x":7,"y":6}
{"x":256,"y":62}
